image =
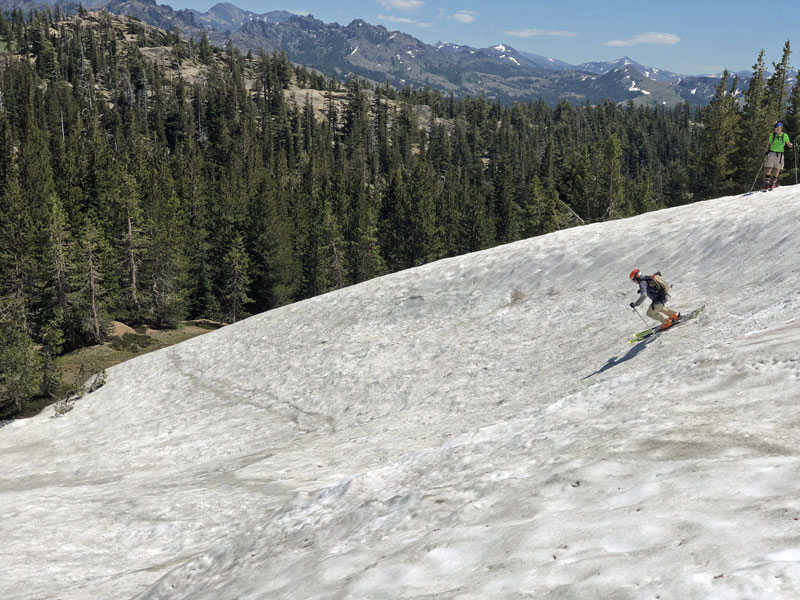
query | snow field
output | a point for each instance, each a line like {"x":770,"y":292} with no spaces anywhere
{"x":474,"y":428}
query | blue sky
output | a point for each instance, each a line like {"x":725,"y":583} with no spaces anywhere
{"x":690,"y":37}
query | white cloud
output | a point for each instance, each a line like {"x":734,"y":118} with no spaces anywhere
{"x":404,"y":20}
{"x":540,"y":32}
{"x":652,"y":37}
{"x":464,"y":16}
{"x":405,"y":5}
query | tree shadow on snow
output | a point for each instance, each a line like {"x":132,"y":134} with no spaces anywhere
{"x":614,"y":361}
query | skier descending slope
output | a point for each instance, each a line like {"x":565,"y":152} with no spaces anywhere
{"x":774,"y":158}
{"x":656,"y":288}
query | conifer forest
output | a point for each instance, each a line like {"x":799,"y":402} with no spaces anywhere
{"x":151,"y":179}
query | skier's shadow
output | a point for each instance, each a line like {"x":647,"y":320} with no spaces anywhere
{"x":614,"y":361}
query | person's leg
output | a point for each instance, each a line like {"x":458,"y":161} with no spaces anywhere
{"x":668,"y":312}
{"x":655,"y":312}
{"x":775,"y":177}
{"x":768,"y":177}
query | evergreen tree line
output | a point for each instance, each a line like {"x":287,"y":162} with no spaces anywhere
{"x":130,"y":193}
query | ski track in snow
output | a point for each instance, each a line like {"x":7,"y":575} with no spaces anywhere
{"x":475,"y":428}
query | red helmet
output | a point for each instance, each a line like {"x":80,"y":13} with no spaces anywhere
{"x":635,"y":275}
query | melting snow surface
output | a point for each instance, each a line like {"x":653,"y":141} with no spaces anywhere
{"x":475,"y":428}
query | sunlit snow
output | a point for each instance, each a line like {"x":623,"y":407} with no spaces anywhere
{"x":476,"y":428}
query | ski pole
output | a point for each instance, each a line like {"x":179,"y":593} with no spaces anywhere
{"x":752,"y":187}
{"x":795,"y":165}
{"x":641,"y":317}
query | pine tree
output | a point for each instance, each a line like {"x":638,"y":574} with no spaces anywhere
{"x":52,"y":341}
{"x":204,"y":51}
{"x":612,"y":181}
{"x":331,"y":266}
{"x":776,"y":86}
{"x":713,"y":164}
{"x":236,"y":266}
{"x":506,"y":210}
{"x":392,"y":231}
{"x":165,"y":265}
{"x":56,"y":261}
{"x":20,"y":365}
{"x":355,"y":116}
{"x":754,"y":127}
{"x":424,"y":243}
{"x":477,"y":229}
{"x":88,"y":320}
{"x":367,"y":261}
{"x":541,"y":213}
{"x":642,"y":194}
{"x":448,"y":211}
{"x":17,"y":243}
{"x":55,"y":268}
{"x":276,"y":270}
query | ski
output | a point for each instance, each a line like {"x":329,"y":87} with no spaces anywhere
{"x":643,"y":335}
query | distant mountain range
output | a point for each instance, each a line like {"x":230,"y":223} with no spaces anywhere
{"x":379,"y":55}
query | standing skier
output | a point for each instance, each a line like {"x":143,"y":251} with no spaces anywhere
{"x":655,"y":287}
{"x":778,"y":140}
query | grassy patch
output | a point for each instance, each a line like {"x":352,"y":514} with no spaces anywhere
{"x":131,"y":342}
{"x":34,"y":406}
{"x":80,"y":365}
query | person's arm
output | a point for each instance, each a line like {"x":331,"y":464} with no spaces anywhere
{"x":642,"y":294}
